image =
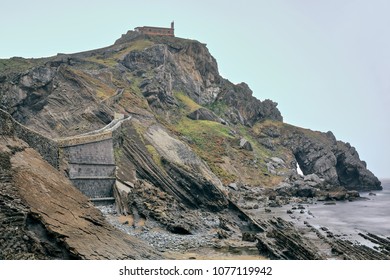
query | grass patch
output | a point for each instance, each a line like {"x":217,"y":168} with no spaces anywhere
{"x":137,"y":45}
{"x":221,"y":173}
{"x":185,"y":102}
{"x":118,"y":154}
{"x":209,"y":140}
{"x":258,"y":149}
{"x":155,"y":155}
{"x":112,"y":60}
{"x":205,"y":134}
{"x":218,"y":108}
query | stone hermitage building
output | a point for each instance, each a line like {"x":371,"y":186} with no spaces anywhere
{"x":161,"y":31}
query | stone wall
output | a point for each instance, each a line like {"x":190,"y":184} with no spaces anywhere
{"x":45,"y":146}
{"x":94,"y":187}
{"x":84,"y":139}
{"x":90,"y":166}
{"x":91,"y":170}
{"x":100,"y":152}
{"x":6,"y":123}
{"x":88,"y":160}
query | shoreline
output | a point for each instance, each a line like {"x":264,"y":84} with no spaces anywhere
{"x":298,"y":223}
{"x":324,"y":220}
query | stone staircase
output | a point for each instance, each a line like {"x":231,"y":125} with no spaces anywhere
{"x":88,"y":160}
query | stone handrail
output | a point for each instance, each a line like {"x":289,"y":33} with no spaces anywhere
{"x":92,"y":136}
{"x":79,"y":140}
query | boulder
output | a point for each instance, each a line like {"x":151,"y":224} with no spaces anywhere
{"x":267,"y":142}
{"x":245,"y":144}
{"x":306,"y":191}
{"x":278,"y":161}
{"x":205,"y":114}
{"x":312,"y":178}
{"x":284,"y":189}
{"x":233,"y":186}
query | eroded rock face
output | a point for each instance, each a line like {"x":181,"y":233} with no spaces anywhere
{"x":174,"y":66}
{"x":352,"y":171}
{"x":52,"y":101}
{"x":38,"y":77}
{"x":188,"y":67}
{"x":316,"y":158}
{"x":175,"y":168}
{"x":146,"y":200}
{"x":244,"y":107}
{"x":336,"y":162}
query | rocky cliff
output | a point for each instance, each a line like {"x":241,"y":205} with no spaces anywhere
{"x":195,"y":142}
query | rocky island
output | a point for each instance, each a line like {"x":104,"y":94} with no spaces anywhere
{"x":141,"y":150}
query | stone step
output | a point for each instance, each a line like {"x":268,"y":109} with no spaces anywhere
{"x":102,"y":199}
{"x":92,"y":178}
{"x":89,"y":163}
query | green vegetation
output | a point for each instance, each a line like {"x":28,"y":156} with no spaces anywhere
{"x":258,"y":149}
{"x":155,"y":155}
{"x":221,"y":173}
{"x":101,"y":88}
{"x":209,"y":140}
{"x":135,"y":82}
{"x":137,"y":45}
{"x":213,"y":142}
{"x":186,"y":103}
{"x":132,"y":96}
{"x":18,"y":64}
{"x":218,"y":108}
{"x":118,"y":154}
{"x":112,"y":60}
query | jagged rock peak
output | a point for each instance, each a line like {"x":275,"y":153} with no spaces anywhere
{"x":171,"y":64}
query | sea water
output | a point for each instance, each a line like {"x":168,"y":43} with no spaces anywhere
{"x":369,"y":215}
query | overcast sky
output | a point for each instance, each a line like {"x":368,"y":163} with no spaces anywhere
{"x":326,"y":62}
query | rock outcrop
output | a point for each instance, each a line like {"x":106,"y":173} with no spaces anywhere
{"x":336,"y":162}
{"x":176,"y":65}
{"x":205,"y":114}
{"x":169,"y":164}
{"x":244,"y":108}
